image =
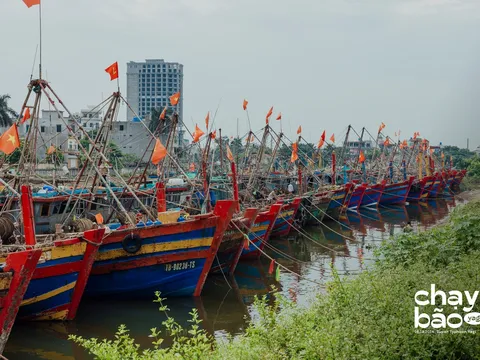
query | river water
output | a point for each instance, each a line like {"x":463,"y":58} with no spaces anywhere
{"x":226,"y":304}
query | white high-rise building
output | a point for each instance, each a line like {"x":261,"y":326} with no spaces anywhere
{"x":150,"y":85}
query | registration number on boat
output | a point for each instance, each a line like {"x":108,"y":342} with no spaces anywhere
{"x":184,"y":265}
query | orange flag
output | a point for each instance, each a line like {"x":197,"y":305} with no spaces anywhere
{"x":320,"y":143}
{"x":9,"y":140}
{"x":164,"y":112}
{"x":207,"y":120}
{"x":382,"y":126}
{"x":26,"y":115}
{"x":159,"y":152}
{"x":332,"y":138}
{"x":431,"y":151}
{"x":197,"y":134}
{"x":294,"y":156}
{"x":175,"y":98}
{"x":113,"y":71}
{"x":99,"y":218}
{"x":269,"y":114}
{"x":51,"y":150}
{"x":245,"y":103}
{"x":386,"y":142}
{"x":229,"y":154}
{"x":361,"y":157}
{"x":279,"y":117}
{"x":443,"y":155}
{"x":213,"y":134}
{"x":30,"y":3}
{"x":299,"y":130}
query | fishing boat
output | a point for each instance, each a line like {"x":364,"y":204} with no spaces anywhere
{"x":59,"y":280}
{"x":355,"y":197}
{"x":418,"y":188}
{"x":60,"y":276}
{"x":372,"y":195}
{"x":458,"y":177}
{"x":260,"y":231}
{"x":16,"y":271}
{"x":437,"y":186}
{"x":337,"y":201}
{"x":285,"y":218}
{"x":396,"y":193}
{"x":173,"y":257}
{"x":232,"y":243}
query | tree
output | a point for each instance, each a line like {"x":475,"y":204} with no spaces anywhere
{"x":459,"y":156}
{"x":164,"y":126}
{"x":6,"y":113}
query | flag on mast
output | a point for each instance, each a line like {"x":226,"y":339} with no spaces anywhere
{"x":31,"y":3}
{"x":9,"y":140}
{"x":112,"y":70}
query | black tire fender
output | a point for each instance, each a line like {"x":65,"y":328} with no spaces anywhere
{"x":132,"y":243}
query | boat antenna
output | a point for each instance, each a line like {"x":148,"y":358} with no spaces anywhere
{"x":40,"y":24}
{"x":34,"y":61}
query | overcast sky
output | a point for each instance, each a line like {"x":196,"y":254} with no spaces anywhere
{"x":413,"y":64}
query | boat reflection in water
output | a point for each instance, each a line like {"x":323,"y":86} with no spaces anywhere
{"x":225,"y":308}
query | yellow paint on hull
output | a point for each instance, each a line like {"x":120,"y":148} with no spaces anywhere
{"x":48,"y":294}
{"x":154,"y":248}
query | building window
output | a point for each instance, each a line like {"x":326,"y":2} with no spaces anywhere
{"x":42,"y":128}
{"x":121,"y":127}
{"x":59,"y":128}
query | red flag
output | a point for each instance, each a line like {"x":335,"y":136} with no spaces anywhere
{"x":213,"y":134}
{"x":320,"y":143}
{"x":26,"y":115}
{"x":229,"y":154}
{"x":323,"y":135}
{"x":207,"y":119}
{"x":30,"y":3}
{"x":271,"y":267}
{"x":164,"y":112}
{"x":159,"y":152}
{"x":51,"y":150}
{"x":9,"y":140}
{"x":299,"y":130}
{"x":361,"y":157}
{"x":382,"y":126}
{"x":113,"y":71}
{"x":245,"y":103}
{"x":269,"y":114}
{"x":175,"y":98}
{"x":197,"y":134}
{"x":279,"y":117}
{"x":332,"y":138}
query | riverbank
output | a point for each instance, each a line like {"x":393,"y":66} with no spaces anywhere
{"x":371,"y":316}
